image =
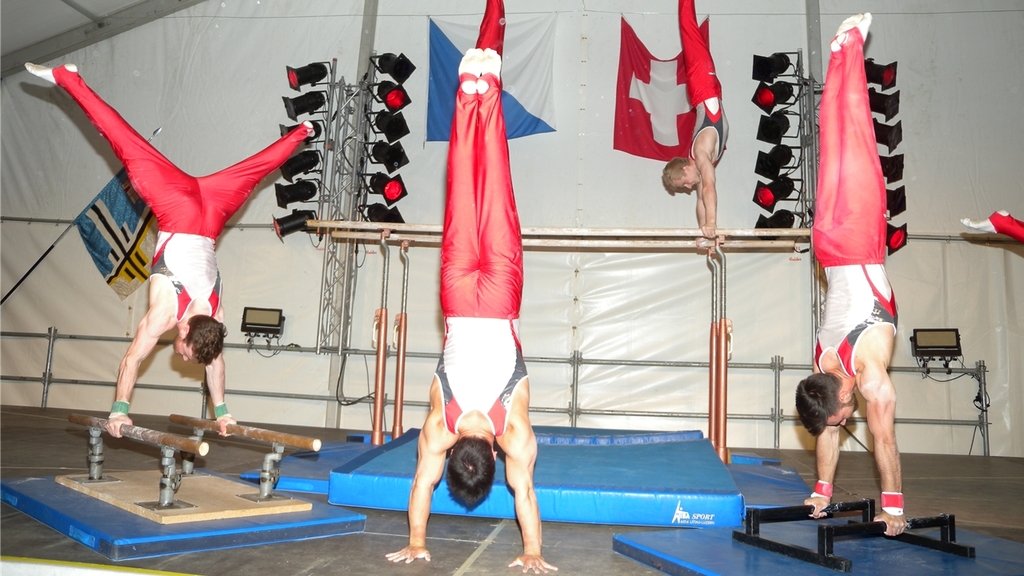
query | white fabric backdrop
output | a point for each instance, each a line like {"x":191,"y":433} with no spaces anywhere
{"x":212,"y":77}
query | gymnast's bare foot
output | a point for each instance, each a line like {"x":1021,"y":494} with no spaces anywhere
{"x":859,"y":21}
{"x":47,"y":73}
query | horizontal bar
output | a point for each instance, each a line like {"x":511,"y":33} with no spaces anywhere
{"x":264,"y":435}
{"x":694,"y":233}
{"x":146,"y":435}
{"x":793,"y":551}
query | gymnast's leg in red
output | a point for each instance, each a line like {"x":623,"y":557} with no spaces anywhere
{"x":701,"y":81}
{"x":481,"y":251}
{"x":849,"y":219}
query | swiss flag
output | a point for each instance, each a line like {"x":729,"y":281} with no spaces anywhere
{"x":653,"y":116}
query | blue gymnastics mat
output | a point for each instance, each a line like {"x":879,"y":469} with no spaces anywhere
{"x":639,"y":479}
{"x":309,"y":472}
{"x":122,"y":535}
{"x":713,"y":552}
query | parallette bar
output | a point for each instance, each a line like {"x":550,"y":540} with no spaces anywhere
{"x":146,"y":435}
{"x":294,"y":440}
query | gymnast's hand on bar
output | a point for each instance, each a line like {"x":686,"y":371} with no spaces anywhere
{"x":894,"y":525}
{"x":114,"y":424}
{"x":820,"y":504}
{"x":223,"y":423}
{"x":409,"y":553}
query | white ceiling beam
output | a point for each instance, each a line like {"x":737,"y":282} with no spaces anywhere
{"x":100,"y":28}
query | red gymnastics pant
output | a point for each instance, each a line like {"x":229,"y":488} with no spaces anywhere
{"x":481,"y":247}
{"x":849,"y":218}
{"x":181,"y":203}
{"x":701,"y":81}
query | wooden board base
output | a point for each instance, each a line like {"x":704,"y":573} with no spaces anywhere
{"x":213,"y":497}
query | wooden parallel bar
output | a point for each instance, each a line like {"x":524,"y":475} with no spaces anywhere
{"x":551,"y":242}
{"x":146,"y":435}
{"x":294,"y":440}
{"x":693,"y":233}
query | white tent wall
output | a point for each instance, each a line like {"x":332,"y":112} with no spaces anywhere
{"x":212,"y":77}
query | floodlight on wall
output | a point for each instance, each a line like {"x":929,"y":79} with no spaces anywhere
{"x":768,"y":68}
{"x":895,"y":238}
{"x":381,"y":213}
{"x":883,"y":75}
{"x":262,"y":322}
{"x":392,"y":189}
{"x":391,"y":156}
{"x":941,"y":344}
{"x":892,"y":167}
{"x":780,"y":219}
{"x":309,"y":74}
{"x":305,"y":104}
{"x":301,"y":191}
{"x":392,"y":95}
{"x":294,"y":222}
{"x":391,"y":124}
{"x":772,"y":128}
{"x":770,"y":163}
{"x":888,"y":136}
{"x":398,"y":67}
{"x":896,"y":201}
{"x":301,"y":163}
{"x":888,"y":105}
{"x":768,"y":195}
{"x":767,"y":97}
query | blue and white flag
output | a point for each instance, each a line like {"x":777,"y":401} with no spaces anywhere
{"x":119,"y":232}
{"x":526,"y":72}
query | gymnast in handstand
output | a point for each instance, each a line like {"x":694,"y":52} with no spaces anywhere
{"x":710,"y":131}
{"x":184,"y":283}
{"x":856,"y":337}
{"x":480,"y":394}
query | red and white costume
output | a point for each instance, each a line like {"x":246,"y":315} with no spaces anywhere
{"x":701,"y":80}
{"x":849,"y":222}
{"x":481,"y":255}
{"x":191,"y":212}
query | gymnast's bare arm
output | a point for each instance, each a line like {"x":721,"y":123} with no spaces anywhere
{"x":520,"y":446}
{"x":434,"y":442}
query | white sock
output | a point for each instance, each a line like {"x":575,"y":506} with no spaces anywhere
{"x":980,"y":225}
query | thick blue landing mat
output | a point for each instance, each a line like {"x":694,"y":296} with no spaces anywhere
{"x":310,"y":472}
{"x":714,"y":551}
{"x":650,"y":481}
{"x":121,"y":535}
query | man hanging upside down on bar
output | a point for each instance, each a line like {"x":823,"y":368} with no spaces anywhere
{"x":184,"y":284}
{"x":480,"y":394}
{"x":710,"y":131}
{"x":855,"y":340}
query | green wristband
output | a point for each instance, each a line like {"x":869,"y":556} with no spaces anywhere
{"x":119,"y":407}
{"x":220,"y":410}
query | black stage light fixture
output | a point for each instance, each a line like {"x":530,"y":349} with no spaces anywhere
{"x":769,"y":164}
{"x":301,"y":191}
{"x":294,"y":222}
{"x":895,"y":238}
{"x":768,"y":195}
{"x":780,"y":219}
{"x":772,"y":128}
{"x":392,"y":95}
{"x":317,"y":130}
{"x":768,"y":68}
{"x":896,"y":201}
{"x":381,"y":213}
{"x":391,"y":156}
{"x":767,"y":97}
{"x":392,"y":189}
{"x":262,"y":322}
{"x":398,"y":67}
{"x":936,"y":343}
{"x":305,"y":104}
{"x":892,"y":167}
{"x":883,"y":75}
{"x":888,"y":136}
{"x":888,"y":105}
{"x":301,"y":163}
{"x":309,"y":74}
{"x":391,"y":124}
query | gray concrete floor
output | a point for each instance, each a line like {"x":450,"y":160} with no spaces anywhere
{"x":986,"y":494}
